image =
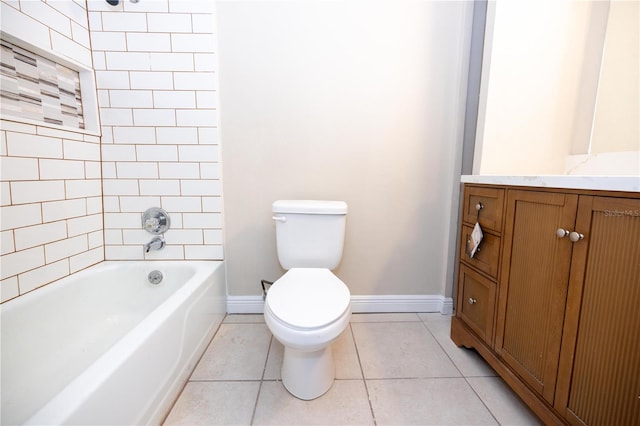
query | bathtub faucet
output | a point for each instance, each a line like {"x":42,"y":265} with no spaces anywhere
{"x":155,"y":244}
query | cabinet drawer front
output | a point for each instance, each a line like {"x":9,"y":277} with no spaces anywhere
{"x":477,"y":302}
{"x":488,"y":254}
{"x":492,"y":202}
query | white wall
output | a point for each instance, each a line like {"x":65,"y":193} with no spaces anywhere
{"x":354,"y":101}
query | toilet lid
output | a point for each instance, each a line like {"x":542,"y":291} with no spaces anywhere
{"x":308,"y":297}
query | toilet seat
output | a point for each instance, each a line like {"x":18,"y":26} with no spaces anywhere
{"x":308,"y":298}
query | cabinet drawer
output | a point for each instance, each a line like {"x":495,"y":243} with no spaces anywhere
{"x":492,"y":202}
{"x":487,"y":256}
{"x":477,"y":300}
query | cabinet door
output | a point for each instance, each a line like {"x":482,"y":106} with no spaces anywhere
{"x":533,"y":285}
{"x":599,"y":375}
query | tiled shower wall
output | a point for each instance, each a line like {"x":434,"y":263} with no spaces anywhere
{"x":51,"y":209}
{"x":155,"y":71}
{"x":156,"y":80}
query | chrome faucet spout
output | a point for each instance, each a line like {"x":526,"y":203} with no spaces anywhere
{"x":156,"y":243}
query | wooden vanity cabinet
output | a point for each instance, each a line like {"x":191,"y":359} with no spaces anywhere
{"x":566,"y":328}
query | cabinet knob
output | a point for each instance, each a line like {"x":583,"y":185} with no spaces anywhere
{"x":561,"y":233}
{"x":575,"y":236}
{"x":472,"y":301}
{"x":479,"y":207}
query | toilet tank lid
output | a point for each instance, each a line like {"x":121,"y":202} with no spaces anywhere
{"x":309,"y":207}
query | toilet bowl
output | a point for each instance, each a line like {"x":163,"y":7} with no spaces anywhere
{"x":306,"y":310}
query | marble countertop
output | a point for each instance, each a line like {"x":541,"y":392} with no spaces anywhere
{"x":609,"y":183}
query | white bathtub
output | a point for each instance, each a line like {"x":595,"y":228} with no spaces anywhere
{"x":104,"y":346}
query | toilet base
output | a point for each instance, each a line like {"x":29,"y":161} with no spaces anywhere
{"x":308,"y":375}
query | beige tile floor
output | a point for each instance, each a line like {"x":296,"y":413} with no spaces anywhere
{"x":391,"y":369}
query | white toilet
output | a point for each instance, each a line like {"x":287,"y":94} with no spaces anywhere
{"x":308,"y":307}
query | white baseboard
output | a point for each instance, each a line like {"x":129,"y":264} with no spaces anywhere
{"x":359,"y":304}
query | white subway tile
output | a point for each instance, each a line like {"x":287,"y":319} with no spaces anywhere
{"x":194,"y":80}
{"x":202,"y":220}
{"x":92,"y":170}
{"x":169,"y":252}
{"x":179,"y":170}
{"x":184,"y":236}
{"x":3,"y":142}
{"x":120,"y":187}
{"x":131,"y":99}
{"x":75,"y":150}
{"x":192,"y":43}
{"x":200,"y":187}
{"x":25,"y":145}
{"x":80,"y":34}
{"x":47,"y":15}
{"x":65,"y":248}
{"x":203,"y":23}
{"x":207,"y":99}
{"x":103,"y":96}
{"x":124,"y":21}
{"x":118,"y":153}
{"x":21,"y":261}
{"x":213,"y":236}
{"x":123,"y":253}
{"x":137,"y":170}
{"x":111,"y":204}
{"x":109,"y":170}
{"x":86,"y":259}
{"x":96,"y":239}
{"x":112,"y":79}
{"x":61,"y":169}
{"x":15,"y":126}
{"x":109,"y":41}
{"x":171,"y":61}
{"x":37,"y":235}
{"x":191,"y":6}
{"x":138,"y":204}
{"x":43,"y":275}
{"x":122,"y":221}
{"x":134,"y":135}
{"x":210,"y":171}
{"x":24,"y":27}
{"x":73,"y":10}
{"x":7,"y":243}
{"x":9,"y":289}
{"x":21,"y":215}
{"x":94,"y":205}
{"x":5,"y":194}
{"x":201,"y":153}
{"x":107,"y":134}
{"x":174,"y":99}
{"x":18,"y":168}
{"x":59,"y":210}
{"x":132,"y":61}
{"x":177,"y":135}
{"x":151,"y":80}
{"x":197,"y":117}
{"x":116,"y":117}
{"x":205,"y":62}
{"x":202,"y":252}
{"x":84,"y":224}
{"x":113,"y":237}
{"x":212,"y":204}
{"x":95,"y":20}
{"x":181,"y":204}
{"x":69,"y":48}
{"x":169,"y":22}
{"x":83,"y":188}
{"x":154,"y":117}
{"x":91,"y":139}
{"x":136,"y":237}
{"x":57,"y":133}
{"x":159,"y":187}
{"x":207,"y":136}
{"x":148,"y":42}
{"x":176,"y":220}
{"x":37,"y":191}
{"x":157,"y":153}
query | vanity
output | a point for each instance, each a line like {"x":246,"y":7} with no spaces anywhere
{"x":551,"y":297}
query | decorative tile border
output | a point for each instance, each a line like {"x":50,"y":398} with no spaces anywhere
{"x":39,"y":89}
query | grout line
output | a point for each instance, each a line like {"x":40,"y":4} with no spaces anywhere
{"x":364,"y":381}
{"x":264,"y":370}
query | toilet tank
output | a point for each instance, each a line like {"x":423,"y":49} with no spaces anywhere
{"x":309,"y":233}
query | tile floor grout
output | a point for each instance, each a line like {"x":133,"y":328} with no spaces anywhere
{"x":212,"y":375}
